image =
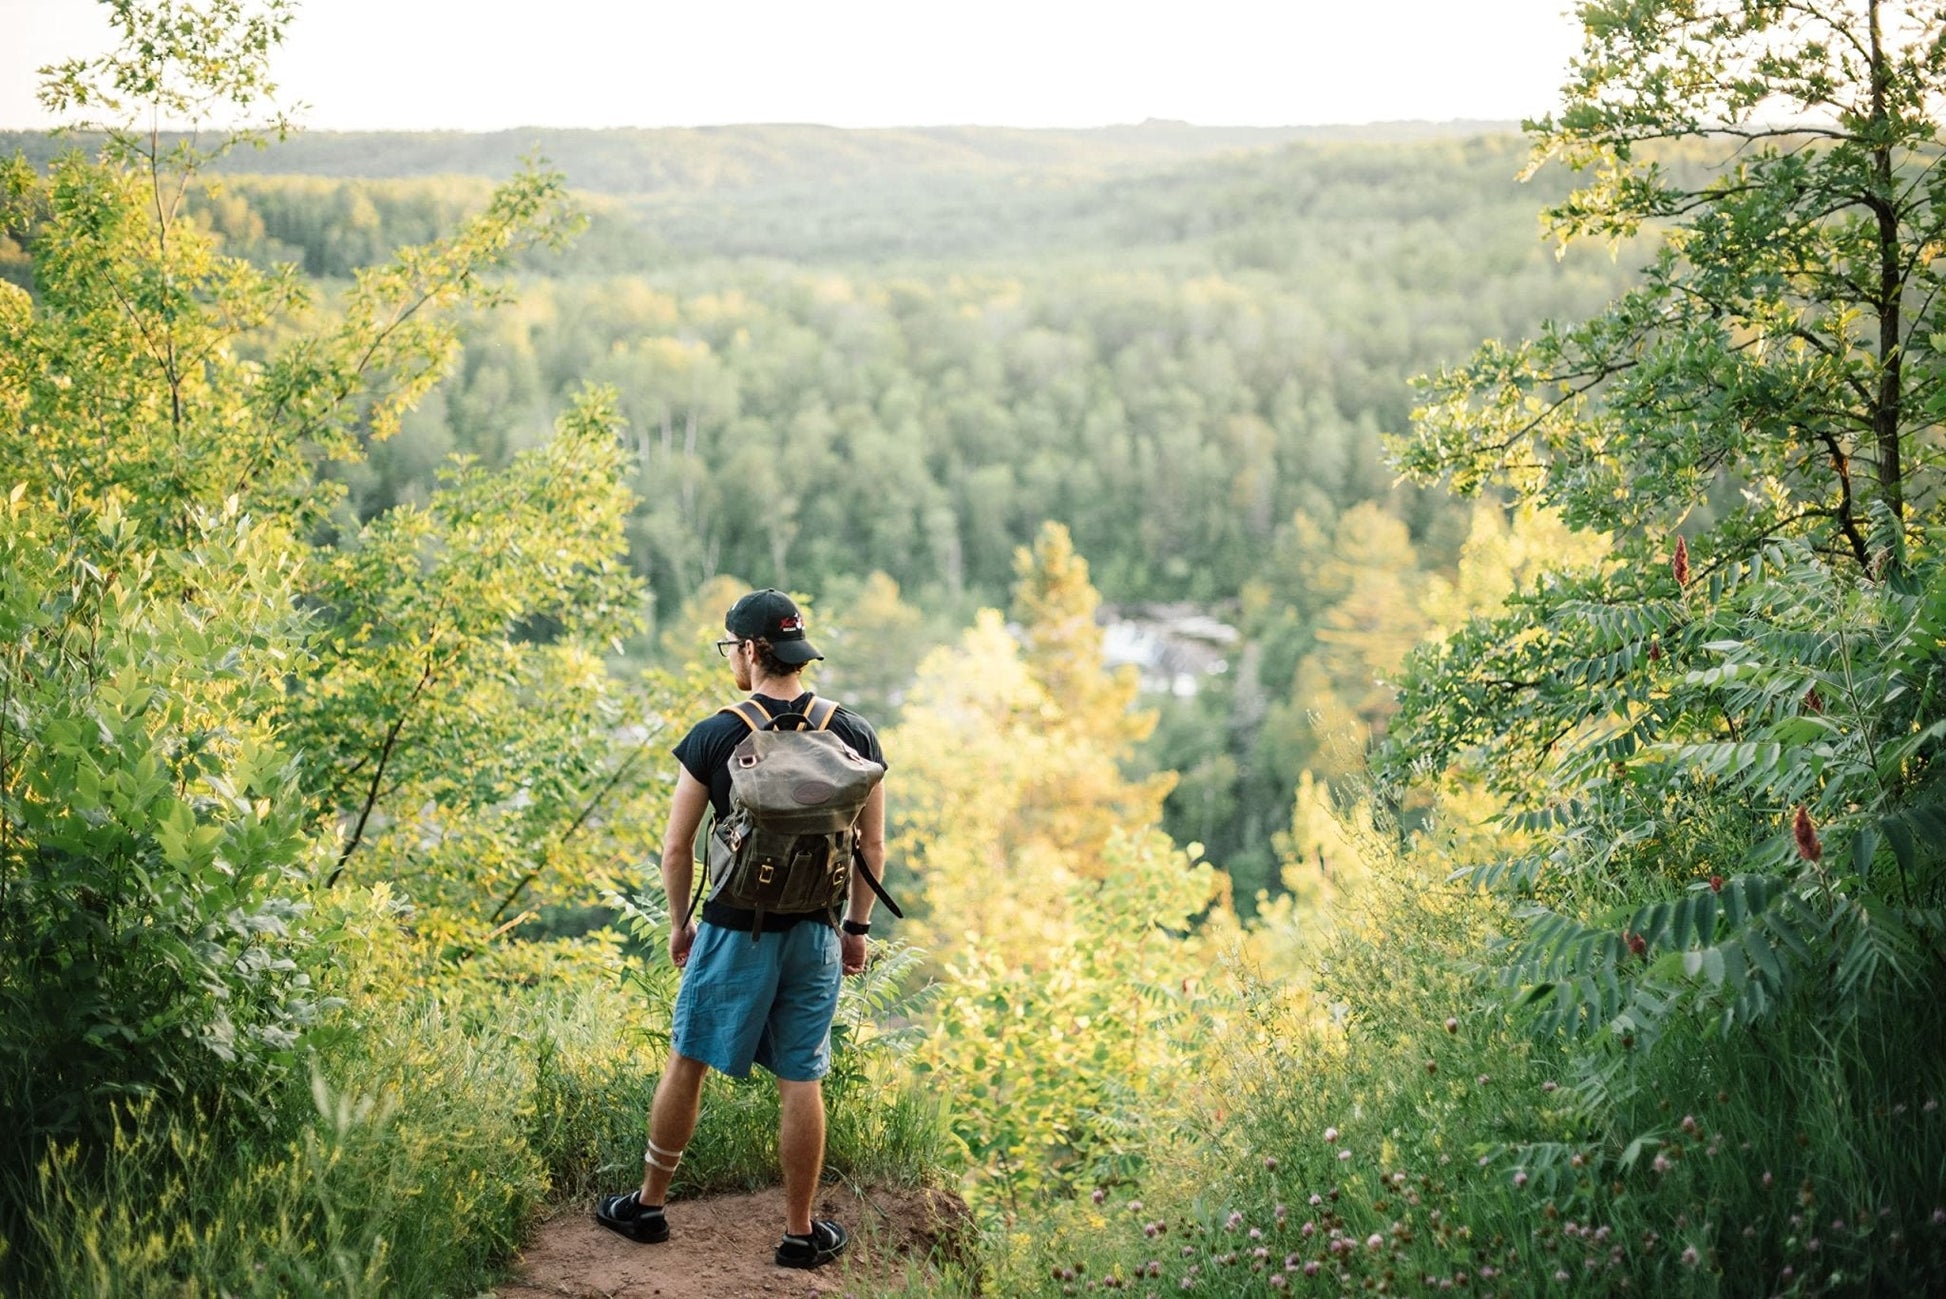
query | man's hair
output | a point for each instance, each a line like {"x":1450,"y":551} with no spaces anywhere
{"x":772,"y":665}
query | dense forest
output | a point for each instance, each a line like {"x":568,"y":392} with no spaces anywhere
{"x":908,"y":367}
{"x":1532,"y":885}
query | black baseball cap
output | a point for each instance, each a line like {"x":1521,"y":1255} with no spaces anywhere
{"x":773,"y":616}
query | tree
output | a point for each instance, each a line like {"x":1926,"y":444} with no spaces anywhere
{"x":1787,"y":338}
{"x":1010,"y":761}
{"x":211,"y":672}
{"x":1722,"y":777}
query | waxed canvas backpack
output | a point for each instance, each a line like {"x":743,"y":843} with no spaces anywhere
{"x":796,"y":792}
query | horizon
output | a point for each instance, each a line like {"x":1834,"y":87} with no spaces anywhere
{"x":407,"y":66}
{"x":1508,"y":125}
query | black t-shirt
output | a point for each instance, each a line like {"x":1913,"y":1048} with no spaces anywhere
{"x":705,"y":754}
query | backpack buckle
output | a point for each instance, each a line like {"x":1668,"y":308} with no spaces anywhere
{"x":765,"y":872}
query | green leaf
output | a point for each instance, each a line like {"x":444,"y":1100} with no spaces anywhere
{"x":1864,"y":843}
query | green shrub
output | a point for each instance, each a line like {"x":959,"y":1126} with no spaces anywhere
{"x":152,"y":860}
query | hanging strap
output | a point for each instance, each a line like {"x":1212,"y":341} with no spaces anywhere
{"x":858,"y":861}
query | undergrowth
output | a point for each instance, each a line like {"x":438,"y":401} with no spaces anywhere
{"x":1419,"y":1137}
{"x":414,"y":1154}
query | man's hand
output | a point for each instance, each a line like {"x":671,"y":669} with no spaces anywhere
{"x":853,"y":947}
{"x":681,"y":938}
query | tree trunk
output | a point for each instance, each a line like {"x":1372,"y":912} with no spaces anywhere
{"x":1886,"y":409}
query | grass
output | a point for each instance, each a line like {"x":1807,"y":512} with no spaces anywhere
{"x":411,"y":1157}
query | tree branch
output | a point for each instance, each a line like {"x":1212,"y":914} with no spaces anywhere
{"x":568,"y":833}
{"x":384,"y":756}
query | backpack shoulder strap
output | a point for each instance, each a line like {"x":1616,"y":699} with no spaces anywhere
{"x":820,"y":712}
{"x":749,"y":711}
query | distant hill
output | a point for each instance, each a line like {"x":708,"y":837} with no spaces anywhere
{"x":638,"y":163}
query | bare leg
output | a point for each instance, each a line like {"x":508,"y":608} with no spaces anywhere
{"x":672,"y":1120}
{"x":800,"y":1148}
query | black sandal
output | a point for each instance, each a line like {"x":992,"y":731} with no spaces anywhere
{"x":624,"y":1212}
{"x":826,"y":1241}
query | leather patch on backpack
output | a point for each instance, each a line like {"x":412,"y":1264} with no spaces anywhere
{"x":813,"y":793}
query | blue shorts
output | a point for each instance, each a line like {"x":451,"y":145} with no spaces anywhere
{"x":769,"y":1001}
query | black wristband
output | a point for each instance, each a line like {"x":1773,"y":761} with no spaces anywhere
{"x":857,"y":928}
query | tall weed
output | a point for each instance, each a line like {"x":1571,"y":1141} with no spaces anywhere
{"x":1417,"y":1136}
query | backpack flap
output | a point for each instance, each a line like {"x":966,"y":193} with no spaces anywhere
{"x":801,"y":782}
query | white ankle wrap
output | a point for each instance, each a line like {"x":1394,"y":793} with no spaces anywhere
{"x":673,"y":1158}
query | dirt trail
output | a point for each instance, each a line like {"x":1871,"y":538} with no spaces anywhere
{"x":721,"y":1246}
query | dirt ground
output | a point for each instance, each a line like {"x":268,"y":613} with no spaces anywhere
{"x":721,"y":1246}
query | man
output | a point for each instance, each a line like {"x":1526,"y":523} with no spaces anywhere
{"x":765,"y":997}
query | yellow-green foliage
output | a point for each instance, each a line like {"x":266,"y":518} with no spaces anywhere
{"x":1056,"y":1069}
{"x":1009,"y":768}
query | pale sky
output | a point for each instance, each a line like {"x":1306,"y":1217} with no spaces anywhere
{"x":491,"y":64}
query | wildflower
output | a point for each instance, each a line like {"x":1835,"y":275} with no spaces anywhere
{"x":1135,"y":1206}
{"x":1277,"y":1281}
{"x":1689,"y":1124}
{"x":1766,"y":1180}
{"x":1661,"y":1164}
{"x":1316,"y":1200}
{"x":1806,"y":835}
{"x":1431,"y":1067}
{"x":1310,"y":1229}
{"x":1655,"y":651}
{"x":1270,"y":1163}
{"x":1560,"y":1274}
{"x":1929,"y":1107}
{"x":1636,"y":943}
{"x":1256,"y":1233}
{"x":1188,"y":1283}
{"x":1311,"y":1267}
{"x":1578,"y":1160}
{"x":1098,"y":1195}
{"x":1343,"y":1155}
{"x":1520,"y":1180}
{"x":1452,"y":1025}
{"x":1690,"y":1257}
{"x":1234,"y":1221}
{"x":1151,"y":1230}
{"x":1330,"y":1136}
{"x":1679,"y":562}
{"x":1278,"y":1213}
{"x":1939,"y":1217}
{"x":1716,"y":883}
{"x":1374,"y":1242}
{"x":1813,"y":700}
{"x":1550,"y":1085}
